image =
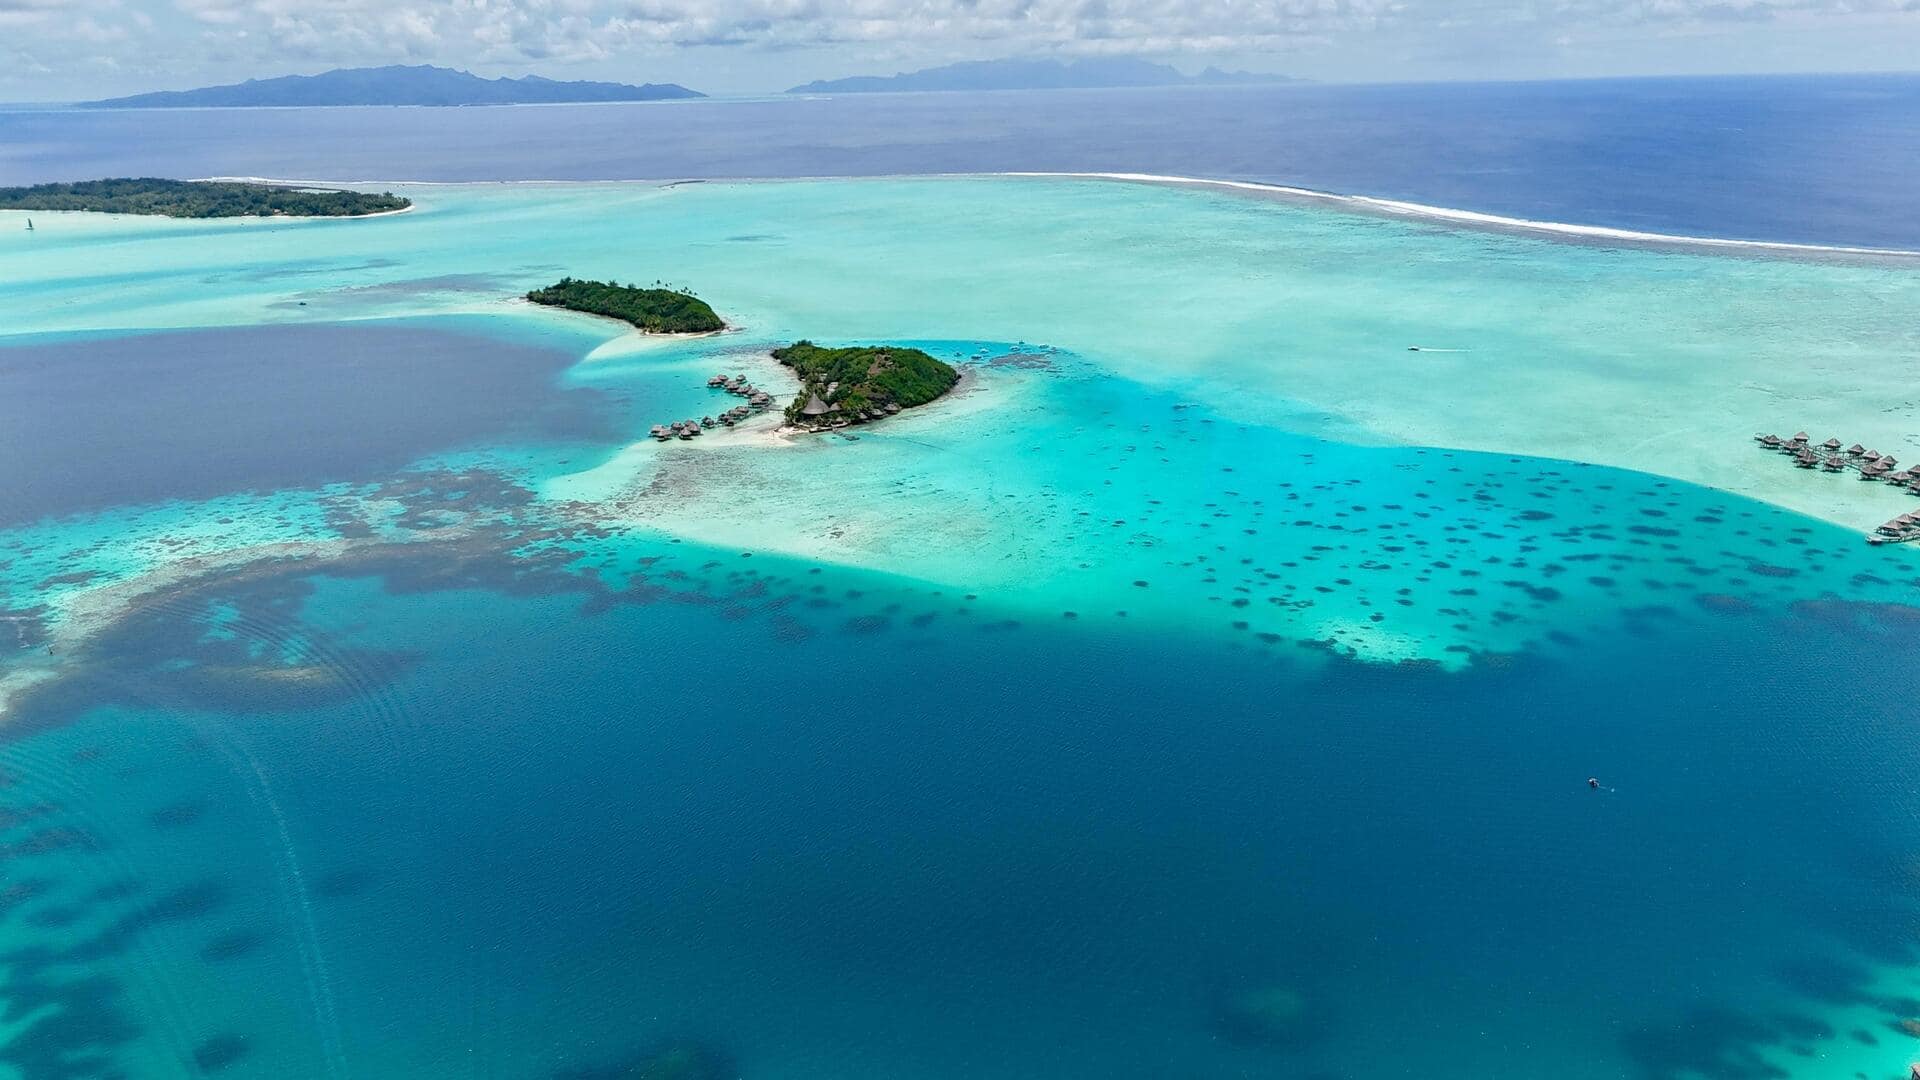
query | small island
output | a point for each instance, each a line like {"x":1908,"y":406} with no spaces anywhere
{"x":841,"y":387}
{"x":393,"y":85}
{"x":655,"y":311}
{"x":198,"y":199}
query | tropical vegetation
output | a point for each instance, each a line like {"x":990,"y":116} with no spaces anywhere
{"x":862,"y":382}
{"x":659,"y":310}
{"x":197,"y":199}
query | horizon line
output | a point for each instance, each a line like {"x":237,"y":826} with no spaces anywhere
{"x":797,"y":90}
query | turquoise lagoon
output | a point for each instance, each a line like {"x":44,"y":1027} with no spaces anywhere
{"x":1208,"y":688}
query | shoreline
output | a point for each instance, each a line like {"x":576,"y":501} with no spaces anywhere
{"x":1363,"y":205}
{"x":223,"y":217}
{"x":650,"y":335}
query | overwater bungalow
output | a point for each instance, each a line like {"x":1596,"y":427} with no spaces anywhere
{"x":1831,"y":444}
{"x":1856,"y":449}
{"x":1801,"y":437}
{"x":1833,"y":464}
{"x":1772,"y":442}
{"x":706,"y":421}
{"x":1871,"y":455}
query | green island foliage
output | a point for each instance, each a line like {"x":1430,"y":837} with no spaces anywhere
{"x":657,"y":311}
{"x":861,"y":383}
{"x":197,"y":199}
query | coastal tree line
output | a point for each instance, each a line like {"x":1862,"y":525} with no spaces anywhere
{"x":855,"y":380}
{"x":197,"y":199}
{"x":655,"y":310}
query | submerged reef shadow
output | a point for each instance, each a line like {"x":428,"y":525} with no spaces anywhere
{"x":79,"y":1022}
{"x":669,"y":1059}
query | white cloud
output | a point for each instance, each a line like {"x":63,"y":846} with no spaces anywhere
{"x":28,"y":12}
{"x":188,"y":42}
{"x":504,"y":31}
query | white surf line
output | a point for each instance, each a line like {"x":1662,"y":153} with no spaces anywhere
{"x":1401,"y":208}
{"x":1360,"y":203}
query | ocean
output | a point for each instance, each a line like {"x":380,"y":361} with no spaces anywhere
{"x":1817,"y":160}
{"x":1213,"y":686}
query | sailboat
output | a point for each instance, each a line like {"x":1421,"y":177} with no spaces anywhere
{"x":29,"y":224}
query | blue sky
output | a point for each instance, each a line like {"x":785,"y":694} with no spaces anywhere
{"x":67,"y":49}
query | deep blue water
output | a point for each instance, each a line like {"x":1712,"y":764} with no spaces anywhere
{"x":469,"y":809}
{"x":558,"y":836}
{"x":1801,"y":159}
{"x":461,"y":809}
{"x":90,"y":422}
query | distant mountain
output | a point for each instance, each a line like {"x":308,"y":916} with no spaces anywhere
{"x":1213,"y":76}
{"x":397,"y":86}
{"x":1035,"y":75}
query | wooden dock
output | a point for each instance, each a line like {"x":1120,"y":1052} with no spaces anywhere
{"x":758,"y":400}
